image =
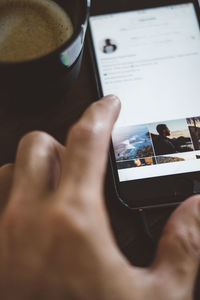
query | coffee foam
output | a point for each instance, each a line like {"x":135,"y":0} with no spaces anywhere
{"x":31,"y":29}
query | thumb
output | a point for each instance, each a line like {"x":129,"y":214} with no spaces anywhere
{"x":178,"y":256}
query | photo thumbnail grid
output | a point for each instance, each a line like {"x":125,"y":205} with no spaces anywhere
{"x":157,"y":143}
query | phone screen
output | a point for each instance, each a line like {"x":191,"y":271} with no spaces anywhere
{"x":151,"y":60}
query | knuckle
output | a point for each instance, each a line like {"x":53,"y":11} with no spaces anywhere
{"x":38,"y":144}
{"x":34,"y":138}
{"x":86,"y":130}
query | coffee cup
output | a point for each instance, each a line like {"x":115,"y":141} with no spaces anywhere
{"x":39,"y":62}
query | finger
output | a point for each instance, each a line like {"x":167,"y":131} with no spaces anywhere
{"x":88,"y":144}
{"x":178,"y":254}
{"x":37,"y":167}
{"x":6,"y":176}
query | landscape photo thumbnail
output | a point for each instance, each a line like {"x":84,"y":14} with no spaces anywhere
{"x":132,"y":142}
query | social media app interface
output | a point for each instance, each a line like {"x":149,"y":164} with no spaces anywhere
{"x":151,"y":60}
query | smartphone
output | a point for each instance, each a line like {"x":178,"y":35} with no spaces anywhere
{"x":148,"y":54}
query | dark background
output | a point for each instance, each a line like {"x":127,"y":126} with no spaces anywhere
{"x":56,"y":121}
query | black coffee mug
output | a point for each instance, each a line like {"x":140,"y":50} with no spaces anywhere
{"x":41,"y":82}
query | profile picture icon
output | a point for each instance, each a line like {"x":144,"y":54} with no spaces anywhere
{"x":109,"y":46}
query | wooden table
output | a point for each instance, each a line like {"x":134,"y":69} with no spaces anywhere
{"x":126,"y":225}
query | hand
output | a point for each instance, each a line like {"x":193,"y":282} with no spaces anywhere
{"x":55,"y":237}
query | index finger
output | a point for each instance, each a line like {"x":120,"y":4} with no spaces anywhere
{"x":88,"y":143}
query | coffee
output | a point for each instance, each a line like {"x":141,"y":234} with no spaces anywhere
{"x":31,"y":28}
